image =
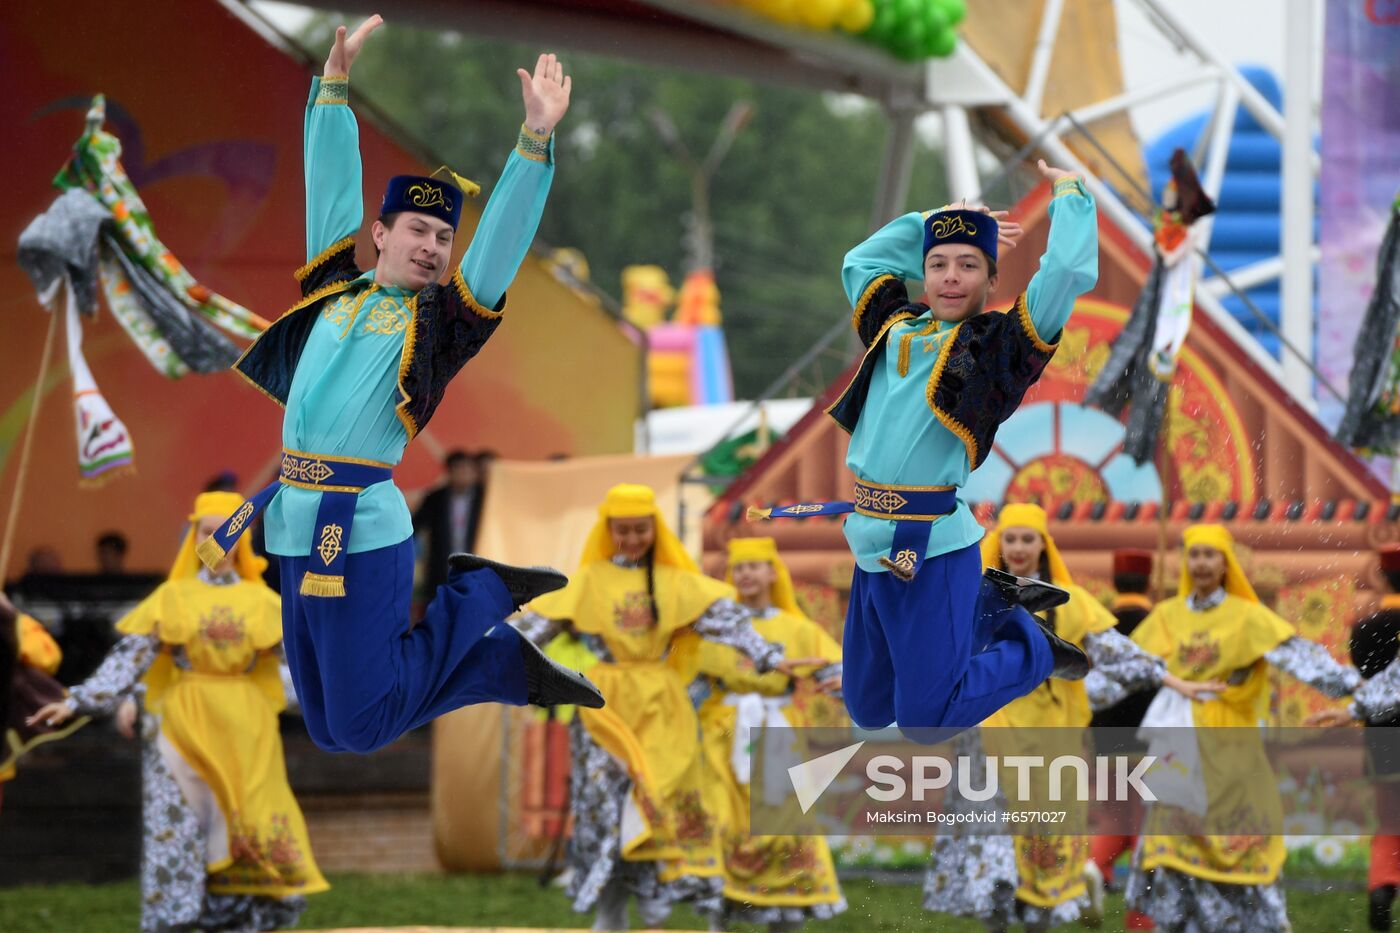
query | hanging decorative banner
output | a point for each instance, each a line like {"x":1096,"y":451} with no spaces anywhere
{"x":1360,"y":169}
{"x":104,"y":446}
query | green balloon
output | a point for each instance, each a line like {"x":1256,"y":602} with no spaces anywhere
{"x":942,"y":44}
{"x":908,"y":11}
{"x":954,"y":11}
{"x":909,"y":44}
{"x":883,"y":26}
{"x":933,"y":19}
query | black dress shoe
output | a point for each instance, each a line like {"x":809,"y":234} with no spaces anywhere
{"x":1034,"y":595}
{"x":1071,"y":663}
{"x":1381,"y":899}
{"x":548,"y":683}
{"x":524,"y":583}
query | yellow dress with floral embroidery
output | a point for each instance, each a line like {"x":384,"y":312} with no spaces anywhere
{"x":1230,"y":639}
{"x":1050,"y":868}
{"x":767,"y":871}
{"x":220,"y":717}
{"x":649,"y":723}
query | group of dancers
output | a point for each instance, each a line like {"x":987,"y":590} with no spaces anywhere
{"x":946,"y":628}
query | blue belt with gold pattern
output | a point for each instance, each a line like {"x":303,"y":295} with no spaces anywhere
{"x":340,"y":480}
{"x":913,"y":509}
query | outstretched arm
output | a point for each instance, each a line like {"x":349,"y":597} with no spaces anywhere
{"x":1309,"y":662}
{"x":513,"y":212}
{"x":1070,"y":266}
{"x":331,"y":147}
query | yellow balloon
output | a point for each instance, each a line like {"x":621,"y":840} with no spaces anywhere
{"x":784,"y":11}
{"x":857,"y":16}
{"x":820,"y":14}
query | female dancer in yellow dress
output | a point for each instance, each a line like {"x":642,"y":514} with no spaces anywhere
{"x":1037,"y":880}
{"x":225,"y":843}
{"x":1215,"y":628}
{"x":780,"y":881}
{"x":640,"y":605}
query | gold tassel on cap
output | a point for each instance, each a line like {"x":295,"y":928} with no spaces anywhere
{"x":758,"y":515}
{"x":470,"y":188}
{"x":210,"y":552}
{"x":319,"y":584}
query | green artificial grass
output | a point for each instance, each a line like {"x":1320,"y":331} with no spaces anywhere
{"x":1315,"y":906}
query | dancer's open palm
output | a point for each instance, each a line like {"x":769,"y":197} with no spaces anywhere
{"x":546,"y":93}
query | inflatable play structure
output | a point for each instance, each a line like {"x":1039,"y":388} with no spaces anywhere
{"x":687,"y":360}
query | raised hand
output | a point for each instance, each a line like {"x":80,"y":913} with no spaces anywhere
{"x":546,"y":93}
{"x":1052,"y":174}
{"x":1009,"y":232}
{"x":347,"y":48}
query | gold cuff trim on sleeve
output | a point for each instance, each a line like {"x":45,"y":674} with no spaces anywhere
{"x":532,"y":145}
{"x":334,"y":89}
{"x":323,"y":255}
{"x":866,"y":297}
{"x":465,"y":293}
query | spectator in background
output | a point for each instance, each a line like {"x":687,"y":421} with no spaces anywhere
{"x":447,"y":517}
{"x":43,"y":560}
{"x":111,"y":553}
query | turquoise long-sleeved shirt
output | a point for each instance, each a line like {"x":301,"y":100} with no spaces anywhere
{"x":345,"y":389}
{"x":897,"y":439}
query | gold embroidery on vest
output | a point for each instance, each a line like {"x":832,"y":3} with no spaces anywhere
{"x":338,"y":311}
{"x":387,"y":317}
{"x":907,"y":341}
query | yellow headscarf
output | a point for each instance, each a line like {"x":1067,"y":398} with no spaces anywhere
{"x":217,"y":505}
{"x":1218,"y":537}
{"x":1025,"y":515}
{"x":754,"y":550}
{"x":631,"y":500}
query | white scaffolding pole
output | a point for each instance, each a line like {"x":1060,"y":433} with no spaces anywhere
{"x":1061,"y":155}
{"x":1296,"y":317}
{"x":1043,"y":54}
{"x":961,"y":155}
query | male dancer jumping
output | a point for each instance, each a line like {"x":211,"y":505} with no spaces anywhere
{"x":360,"y":364}
{"x":928,"y":641}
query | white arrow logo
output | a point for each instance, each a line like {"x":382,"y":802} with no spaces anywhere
{"x":811,"y":778}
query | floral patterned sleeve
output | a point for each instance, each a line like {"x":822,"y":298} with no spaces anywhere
{"x":1378,"y":697}
{"x":537,"y":629}
{"x":1309,"y":662}
{"x":729,"y":623}
{"x":1103,"y":691}
{"x":1118,"y":658}
{"x":117,"y":677}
